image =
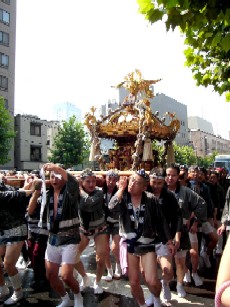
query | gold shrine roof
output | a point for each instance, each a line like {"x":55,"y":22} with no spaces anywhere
{"x":134,"y":116}
{"x":126,"y":122}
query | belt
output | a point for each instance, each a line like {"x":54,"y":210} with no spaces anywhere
{"x":71,"y":232}
{"x":93,"y":231}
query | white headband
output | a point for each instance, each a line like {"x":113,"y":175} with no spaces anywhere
{"x":156,"y":176}
{"x":56,"y":175}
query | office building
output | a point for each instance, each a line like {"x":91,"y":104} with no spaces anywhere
{"x":63,"y":111}
{"x":205,"y":143}
{"x":196,"y":122}
{"x":7,"y":61}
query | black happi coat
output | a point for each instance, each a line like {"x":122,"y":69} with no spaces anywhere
{"x":13,"y":206}
{"x":171,"y":211}
{"x":155,"y":225}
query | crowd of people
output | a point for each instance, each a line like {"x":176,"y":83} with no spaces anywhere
{"x":148,"y":221}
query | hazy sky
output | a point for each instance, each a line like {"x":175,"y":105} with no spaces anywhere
{"x":75,"y":50}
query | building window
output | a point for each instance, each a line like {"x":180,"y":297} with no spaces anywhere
{"x":4,"y":17}
{"x":4,"y":60}
{"x":3,"y":83}
{"x":6,"y":1}
{"x":4,"y":38}
{"x":35,"y":129}
{"x":35,"y":153}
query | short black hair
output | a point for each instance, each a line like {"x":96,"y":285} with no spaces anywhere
{"x":174,"y":166}
{"x":157,"y":172}
{"x":215,"y":173}
{"x":87,"y":172}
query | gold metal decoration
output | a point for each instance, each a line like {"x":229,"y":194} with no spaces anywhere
{"x":133,"y":126}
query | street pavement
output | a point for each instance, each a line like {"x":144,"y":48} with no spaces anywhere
{"x":117,"y":292}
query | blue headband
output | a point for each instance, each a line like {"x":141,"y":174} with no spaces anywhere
{"x":143,"y":174}
{"x":112,"y":173}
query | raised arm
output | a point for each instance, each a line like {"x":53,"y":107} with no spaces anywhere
{"x":51,"y":167}
{"x":34,"y":198}
{"x":117,"y":198}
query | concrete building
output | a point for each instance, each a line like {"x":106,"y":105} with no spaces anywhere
{"x":52,"y":130}
{"x":7,"y":61}
{"x":33,"y":141}
{"x":109,"y":106}
{"x":203,"y":139}
{"x":196,"y":122}
{"x":163,"y":104}
{"x":63,"y":111}
{"x":206,"y":143}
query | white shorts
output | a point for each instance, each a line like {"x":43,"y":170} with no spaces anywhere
{"x":162,"y":250}
{"x":193,"y":237}
{"x":207,"y":228}
{"x":63,"y":254}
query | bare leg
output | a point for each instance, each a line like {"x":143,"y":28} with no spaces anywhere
{"x":11,"y":258}
{"x":2,"y":253}
{"x":149,"y":265}
{"x":167,"y":268}
{"x":107,"y":259}
{"x":116,"y":248}
{"x":68,"y":278}
{"x":213,"y":239}
{"x":194,"y":253}
{"x":180,"y":268}
{"x":102,"y":251}
{"x":52,"y":270}
{"x":134,"y":278}
{"x":81,"y":246}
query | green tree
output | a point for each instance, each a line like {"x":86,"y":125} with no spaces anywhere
{"x":184,"y":154}
{"x":7,"y":133}
{"x":156,"y":146}
{"x":206,"y":161}
{"x":70,"y":143}
{"x":206,"y":26}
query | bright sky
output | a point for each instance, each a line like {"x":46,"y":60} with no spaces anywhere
{"x":75,"y":50}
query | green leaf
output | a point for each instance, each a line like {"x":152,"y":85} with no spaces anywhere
{"x":227,"y":95}
{"x":155,"y":15}
{"x":7,"y":133}
{"x":70,"y":143}
{"x":216,"y":39}
{"x":172,"y":3}
{"x":206,"y":26}
{"x":145,"y":6}
{"x":226,"y":43}
{"x":208,"y":34}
